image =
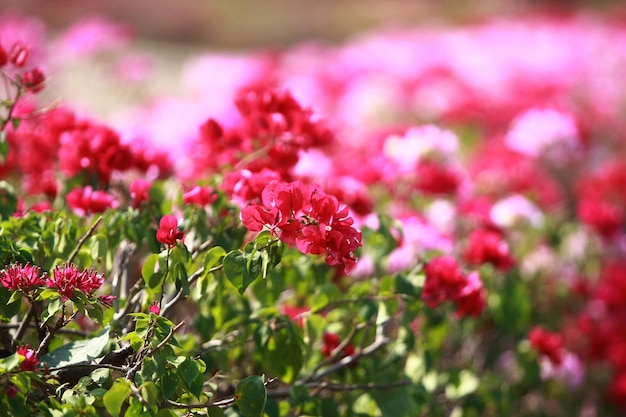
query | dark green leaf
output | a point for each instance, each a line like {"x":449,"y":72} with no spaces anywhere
{"x":250,"y":396}
{"x":189,"y":371}
{"x":299,"y":395}
{"x":239,"y":270}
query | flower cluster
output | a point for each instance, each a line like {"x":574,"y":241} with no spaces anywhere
{"x":67,"y":278}
{"x":274,"y":128}
{"x":305,"y":216}
{"x":84,"y":201}
{"x":32,"y":80}
{"x":22,"y":278}
{"x":547,"y":343}
{"x":446,"y":282}
{"x":488,"y":246}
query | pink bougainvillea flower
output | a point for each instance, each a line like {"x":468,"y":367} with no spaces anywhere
{"x":547,"y":343}
{"x":444,"y":281}
{"x":168,"y":232}
{"x":84,"y":201}
{"x":67,"y":278}
{"x":155,"y":308}
{"x":296,"y":313}
{"x":30,"y":361}
{"x":21,"y":277}
{"x":331,"y":341}
{"x":535,"y":130}
{"x":472,"y":298}
{"x":488,"y":246}
{"x":306,"y":217}
{"x":140,"y":192}
{"x":200,"y":196}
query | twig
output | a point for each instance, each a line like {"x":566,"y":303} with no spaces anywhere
{"x":11,"y":107}
{"x":191,"y":280}
{"x":131,"y":372}
{"x":24,"y":324}
{"x":52,"y":331}
{"x":82,"y":240}
{"x":378,"y":343}
{"x":334,"y":355}
{"x":119,"y":284}
{"x":203,"y":246}
{"x":328,"y":386}
{"x":314,"y":386}
{"x":93,"y":366}
{"x":134,"y":291}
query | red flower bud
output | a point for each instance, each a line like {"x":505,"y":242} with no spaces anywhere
{"x":19,"y":54}
{"x":33,"y":80}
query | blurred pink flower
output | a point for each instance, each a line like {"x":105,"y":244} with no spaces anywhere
{"x":92,"y":35}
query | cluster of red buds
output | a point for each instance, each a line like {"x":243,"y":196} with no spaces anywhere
{"x":33,"y":79}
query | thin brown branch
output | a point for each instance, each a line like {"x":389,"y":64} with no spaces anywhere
{"x":82,"y":240}
{"x":191,"y":280}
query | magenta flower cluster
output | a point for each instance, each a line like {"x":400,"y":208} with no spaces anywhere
{"x":65,"y":279}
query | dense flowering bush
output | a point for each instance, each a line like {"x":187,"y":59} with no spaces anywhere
{"x":418,"y":222}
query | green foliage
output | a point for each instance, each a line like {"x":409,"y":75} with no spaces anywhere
{"x":250,"y":396}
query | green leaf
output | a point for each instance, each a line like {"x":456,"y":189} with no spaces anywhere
{"x":179,"y":254}
{"x":169,"y":384}
{"x":180,"y":278}
{"x":328,"y":408}
{"x":116,"y":396}
{"x":78,"y":351}
{"x":213,"y":256}
{"x":395,"y":402}
{"x":9,"y":363}
{"x":95,"y":313}
{"x":10,"y":302}
{"x":283,"y":354}
{"x":148,"y":269}
{"x":101,"y":375}
{"x":467,"y":383}
{"x":150,"y":393}
{"x":98,"y":247}
{"x":250,"y":396}
{"x":189,"y":371}
{"x":54,"y":306}
{"x":8,"y":200}
{"x":236,"y":270}
{"x":134,"y":409}
{"x":299,"y":394}
{"x":4,"y":146}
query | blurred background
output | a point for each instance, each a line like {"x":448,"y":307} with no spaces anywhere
{"x":159,"y":37}
{"x":249,"y":24}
